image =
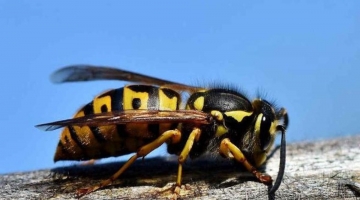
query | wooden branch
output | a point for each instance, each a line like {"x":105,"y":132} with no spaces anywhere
{"x":318,"y":170}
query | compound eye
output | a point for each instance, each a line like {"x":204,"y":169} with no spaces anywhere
{"x":265,"y":136}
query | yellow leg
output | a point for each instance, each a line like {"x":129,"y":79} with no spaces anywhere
{"x":174,"y":135}
{"x":194,"y":136}
{"x":228,"y":149}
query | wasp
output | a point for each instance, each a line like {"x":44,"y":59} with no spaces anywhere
{"x":140,"y":117}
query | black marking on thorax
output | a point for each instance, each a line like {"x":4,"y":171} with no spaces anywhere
{"x":221,"y":100}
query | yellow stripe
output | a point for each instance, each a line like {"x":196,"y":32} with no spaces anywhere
{"x":273,"y":127}
{"x":130,"y":95}
{"x":100,"y":101}
{"x":258,"y":123}
{"x":238,"y":115}
{"x":167,"y":103}
{"x":220,"y":130}
{"x":199,"y":103}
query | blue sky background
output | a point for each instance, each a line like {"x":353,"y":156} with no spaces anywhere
{"x":304,"y":54}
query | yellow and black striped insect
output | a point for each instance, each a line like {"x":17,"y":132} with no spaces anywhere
{"x":139,"y":118}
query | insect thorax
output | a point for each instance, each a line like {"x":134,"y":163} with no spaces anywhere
{"x":233,"y":113}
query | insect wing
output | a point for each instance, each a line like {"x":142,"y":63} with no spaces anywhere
{"x":132,"y":116}
{"x":75,"y":73}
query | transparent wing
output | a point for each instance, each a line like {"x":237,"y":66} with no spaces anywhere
{"x":75,"y":73}
{"x":132,"y":116}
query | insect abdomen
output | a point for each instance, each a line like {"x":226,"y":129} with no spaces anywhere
{"x":84,"y":143}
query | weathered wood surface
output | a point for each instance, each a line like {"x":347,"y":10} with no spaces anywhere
{"x":319,"y":170}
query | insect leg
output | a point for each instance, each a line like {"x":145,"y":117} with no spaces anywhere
{"x":228,"y":149}
{"x":173,"y":135}
{"x":193,"y":137}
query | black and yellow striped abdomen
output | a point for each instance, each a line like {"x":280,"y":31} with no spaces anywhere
{"x":83,"y":143}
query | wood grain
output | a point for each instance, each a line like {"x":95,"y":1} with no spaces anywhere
{"x":328,"y":169}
